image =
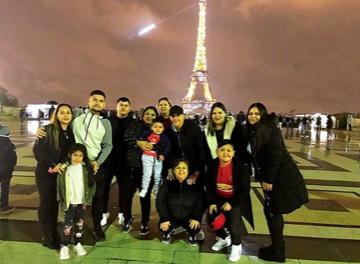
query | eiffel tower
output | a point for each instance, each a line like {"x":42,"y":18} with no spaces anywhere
{"x":198,"y":99}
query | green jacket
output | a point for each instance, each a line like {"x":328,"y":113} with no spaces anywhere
{"x":63,"y":190}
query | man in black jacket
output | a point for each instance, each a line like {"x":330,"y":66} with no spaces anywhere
{"x":186,"y":142}
{"x":115,"y":164}
{"x":8,"y":161}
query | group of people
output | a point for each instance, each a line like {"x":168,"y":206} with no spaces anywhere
{"x":190,"y":170}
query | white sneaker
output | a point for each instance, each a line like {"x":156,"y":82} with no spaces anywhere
{"x":104,"y":219}
{"x":235,"y":253}
{"x":80,"y":251}
{"x":221,"y":243}
{"x":121,"y":219}
{"x":64,"y":253}
{"x":143,"y":193}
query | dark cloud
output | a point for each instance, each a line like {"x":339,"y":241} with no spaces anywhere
{"x":301,"y":55}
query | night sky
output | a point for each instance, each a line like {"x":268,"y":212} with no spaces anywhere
{"x":301,"y":55}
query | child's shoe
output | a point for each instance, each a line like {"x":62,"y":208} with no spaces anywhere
{"x":80,"y":251}
{"x":235,"y":253}
{"x":64,"y":253}
{"x":221,"y":244}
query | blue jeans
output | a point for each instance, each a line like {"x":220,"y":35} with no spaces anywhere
{"x":151,"y":166}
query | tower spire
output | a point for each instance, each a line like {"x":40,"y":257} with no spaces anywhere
{"x":202,"y":100}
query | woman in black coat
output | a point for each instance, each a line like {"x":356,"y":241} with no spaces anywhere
{"x":180,"y":204}
{"x":228,"y":190}
{"x":283,"y":185}
{"x":133,"y":171}
{"x":50,"y":152}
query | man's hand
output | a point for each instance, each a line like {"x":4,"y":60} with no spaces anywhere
{"x":170,"y":175}
{"x":192,"y":178}
{"x":95,"y":166}
{"x":164,"y":226}
{"x":226,"y":207}
{"x":40,"y":132}
{"x":212,"y":209}
{"x":144,"y":145}
{"x":161,"y":157}
{"x":266,"y":186}
{"x":193,"y":224}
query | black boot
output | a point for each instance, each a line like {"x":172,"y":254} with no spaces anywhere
{"x":51,"y":242}
{"x":274,"y":252}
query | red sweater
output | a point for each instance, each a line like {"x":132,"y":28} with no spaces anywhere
{"x":224,"y":181}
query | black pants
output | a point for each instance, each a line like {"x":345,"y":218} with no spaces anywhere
{"x":233,"y":224}
{"x":109,"y":174}
{"x":175,"y":223}
{"x":48,"y":207}
{"x":73,"y":224}
{"x":131,"y":182}
{"x":4,"y":191}
{"x":98,"y":200}
{"x":275,"y":223}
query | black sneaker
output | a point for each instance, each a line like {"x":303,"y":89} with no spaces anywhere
{"x":192,"y":241}
{"x":166,"y":238}
{"x":6,"y":209}
{"x":99,"y":234}
{"x":50,"y":243}
{"x":144,"y":230}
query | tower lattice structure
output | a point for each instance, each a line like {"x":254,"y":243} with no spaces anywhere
{"x":198,"y":98}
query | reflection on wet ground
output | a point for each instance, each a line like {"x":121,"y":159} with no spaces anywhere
{"x":329,"y":223}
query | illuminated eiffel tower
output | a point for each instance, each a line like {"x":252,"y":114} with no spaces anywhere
{"x":198,"y":99}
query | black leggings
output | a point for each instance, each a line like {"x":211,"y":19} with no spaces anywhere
{"x":48,"y":207}
{"x":109,"y":174}
{"x":233,"y":223}
{"x":275,"y":223}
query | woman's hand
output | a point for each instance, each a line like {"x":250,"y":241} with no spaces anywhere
{"x":266,"y":186}
{"x":212,"y":209}
{"x":40,"y":133}
{"x":193,"y":224}
{"x":144,"y":145}
{"x":164,"y":226}
{"x":226,"y":207}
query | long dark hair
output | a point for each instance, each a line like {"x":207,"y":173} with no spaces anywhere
{"x":257,"y":132}
{"x":220,"y":105}
{"x":80,"y":147}
{"x":55,"y":129}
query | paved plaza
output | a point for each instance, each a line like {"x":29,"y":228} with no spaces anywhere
{"x":325,"y":230}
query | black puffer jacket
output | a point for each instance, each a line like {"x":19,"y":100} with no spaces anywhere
{"x":179,"y":201}
{"x":133,"y":153}
{"x":273,"y":164}
{"x":45,"y":152}
{"x":8,"y":158}
{"x":187,"y":143}
{"x":241,"y":186}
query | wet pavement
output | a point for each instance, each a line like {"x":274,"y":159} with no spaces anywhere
{"x":327,"y":229}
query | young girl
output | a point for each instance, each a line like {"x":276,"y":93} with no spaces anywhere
{"x":76,"y":188}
